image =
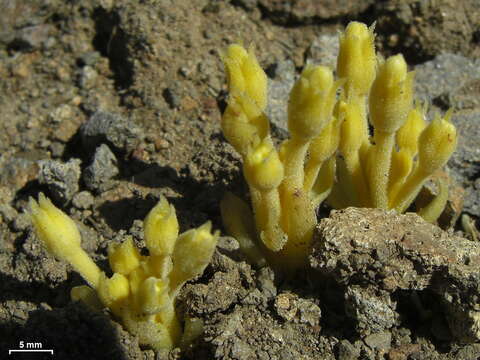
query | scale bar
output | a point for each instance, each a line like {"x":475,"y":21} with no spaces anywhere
{"x":31,"y":350}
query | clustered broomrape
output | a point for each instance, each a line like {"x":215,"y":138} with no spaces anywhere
{"x":142,"y":290}
{"x":330,"y":153}
{"x":330,"y":156}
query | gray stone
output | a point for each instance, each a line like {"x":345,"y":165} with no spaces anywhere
{"x":324,"y":51}
{"x":372,"y":309}
{"x":83,"y":200}
{"x":89,"y":58}
{"x":21,"y":222}
{"x":379,"y":341}
{"x":382,"y":252}
{"x":7,"y":213}
{"x":61,"y":178}
{"x":87,"y":77}
{"x":99,"y":174}
{"x":465,"y":161}
{"x":446,"y":74}
{"x":104,"y":127}
{"x":278,"y":91}
{"x":298,"y":310}
{"x":31,"y":37}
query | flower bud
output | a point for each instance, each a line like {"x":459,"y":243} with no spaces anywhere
{"x":243,"y":124}
{"x":262,"y":167}
{"x":311,"y":102}
{"x":161,"y":228}
{"x":112,"y":291}
{"x":356,"y":59}
{"x":124,"y":257}
{"x":436,"y":144}
{"x":391,"y":95}
{"x":244,"y":74}
{"x":193,"y":252}
{"x":407,"y":136}
{"x":56,"y":230}
{"x":61,"y":238}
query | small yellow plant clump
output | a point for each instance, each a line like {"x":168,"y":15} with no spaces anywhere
{"x":330,"y":153}
{"x":142,"y":290}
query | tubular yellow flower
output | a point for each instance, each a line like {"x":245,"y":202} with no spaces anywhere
{"x":244,"y":74}
{"x":124,"y":257}
{"x":311,"y":102}
{"x":60,"y":236}
{"x":356,"y":59}
{"x":161,"y":228}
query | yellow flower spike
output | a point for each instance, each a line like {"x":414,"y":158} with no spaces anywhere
{"x":113,"y":292}
{"x":391,"y":95}
{"x":407,"y":136}
{"x":390,"y":102}
{"x":244,"y":74}
{"x":311,"y":102}
{"x":124,"y":257}
{"x":350,"y":144}
{"x":243,"y":124}
{"x":139,"y":292}
{"x":263,"y":171}
{"x":436,"y":144}
{"x":372,"y":171}
{"x":262,"y":168}
{"x":320,"y":149}
{"x":192,"y":253}
{"x":356,"y":60}
{"x":161,"y":228}
{"x":60,"y":236}
{"x":153,"y":296}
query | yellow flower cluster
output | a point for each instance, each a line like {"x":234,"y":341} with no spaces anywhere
{"x":142,"y":290}
{"x":330,"y":153}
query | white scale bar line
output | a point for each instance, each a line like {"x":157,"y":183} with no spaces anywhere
{"x":38,"y":350}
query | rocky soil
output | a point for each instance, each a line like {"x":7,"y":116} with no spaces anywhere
{"x":105,"y":105}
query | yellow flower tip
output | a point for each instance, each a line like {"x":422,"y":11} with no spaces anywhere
{"x":55,"y":229}
{"x":358,"y":31}
{"x":391,"y":95}
{"x":356,"y":60}
{"x":204,"y":234}
{"x":436,"y":144}
{"x":161,"y":228}
{"x":311,"y":102}
{"x":407,"y":135}
{"x":124,"y":257}
{"x":394,"y":69}
{"x":193,"y":252}
{"x":245,"y":75}
{"x":112,"y":291}
{"x":263,"y":168}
